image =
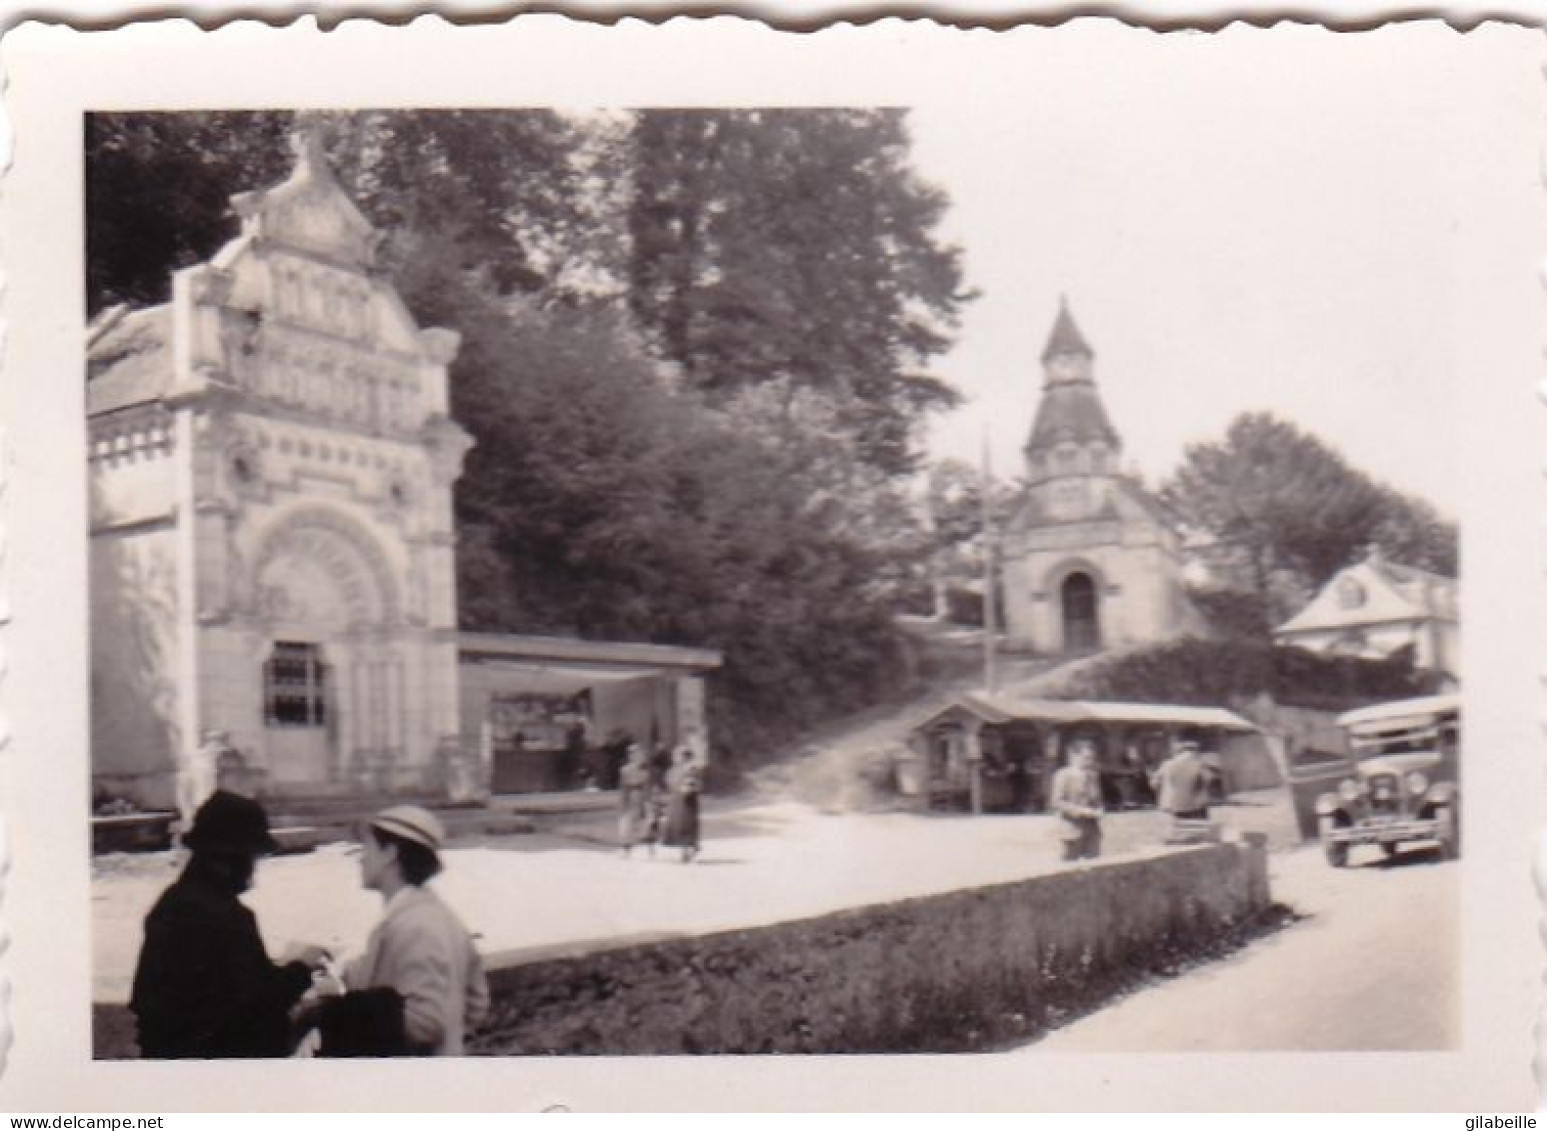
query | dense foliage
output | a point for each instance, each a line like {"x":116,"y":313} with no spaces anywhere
{"x":1225,"y":673}
{"x":798,"y":247}
{"x":694,"y":358}
{"x":1276,"y":512}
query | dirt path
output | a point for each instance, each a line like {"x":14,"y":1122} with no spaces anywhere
{"x":846,"y":767}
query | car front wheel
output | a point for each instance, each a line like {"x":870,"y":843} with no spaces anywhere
{"x":1337,"y":851}
{"x":1449,"y":834}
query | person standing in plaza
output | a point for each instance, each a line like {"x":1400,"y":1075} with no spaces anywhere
{"x":683,"y":784}
{"x":1182,"y":784}
{"x":1076,"y":797}
{"x":420,"y":987}
{"x":204,"y":986}
{"x":633,"y":799}
{"x":658,"y":793}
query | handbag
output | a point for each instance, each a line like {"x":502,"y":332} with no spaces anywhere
{"x":363,"y":1023}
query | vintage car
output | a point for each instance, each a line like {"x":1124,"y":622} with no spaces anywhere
{"x":1403,"y":781}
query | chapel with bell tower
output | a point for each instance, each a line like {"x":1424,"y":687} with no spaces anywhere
{"x":1091,"y":561}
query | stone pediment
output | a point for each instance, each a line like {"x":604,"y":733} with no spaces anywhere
{"x":309,"y":212}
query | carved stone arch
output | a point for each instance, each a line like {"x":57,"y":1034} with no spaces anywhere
{"x":1060,"y":570}
{"x":318,"y":563}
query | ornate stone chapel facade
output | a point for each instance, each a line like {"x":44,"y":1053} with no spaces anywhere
{"x":272,"y":547}
{"x":1091,"y":561}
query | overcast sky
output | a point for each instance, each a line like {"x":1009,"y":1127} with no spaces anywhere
{"x":1332,"y":227}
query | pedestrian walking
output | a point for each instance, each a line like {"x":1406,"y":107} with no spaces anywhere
{"x":658,"y":793}
{"x":634,"y":816}
{"x":204,"y":986}
{"x":419,"y":988}
{"x":683,"y":783}
{"x":1076,"y":797}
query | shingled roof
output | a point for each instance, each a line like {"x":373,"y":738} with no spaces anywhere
{"x":1070,"y":412}
{"x":129,"y":360}
{"x":1066,"y":337}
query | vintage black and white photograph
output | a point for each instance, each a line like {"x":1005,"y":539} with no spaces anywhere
{"x":977,"y":571}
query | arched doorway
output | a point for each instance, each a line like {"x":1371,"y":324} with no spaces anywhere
{"x":1082,"y":627}
{"x":320,"y":586}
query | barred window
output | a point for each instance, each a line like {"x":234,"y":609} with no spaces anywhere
{"x":295,"y":686}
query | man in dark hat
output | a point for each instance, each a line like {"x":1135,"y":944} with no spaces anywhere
{"x":205,"y":986}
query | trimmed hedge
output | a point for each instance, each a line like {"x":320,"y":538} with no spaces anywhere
{"x":956,"y":972}
{"x":1218,"y":673}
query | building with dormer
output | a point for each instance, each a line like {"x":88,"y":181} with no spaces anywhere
{"x":1376,"y":607}
{"x":272,"y":458}
{"x":1091,"y":560}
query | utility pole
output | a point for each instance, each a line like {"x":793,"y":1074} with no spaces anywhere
{"x":990,"y":601}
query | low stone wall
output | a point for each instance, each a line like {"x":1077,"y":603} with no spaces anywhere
{"x":950,"y":972}
{"x":956,"y":972}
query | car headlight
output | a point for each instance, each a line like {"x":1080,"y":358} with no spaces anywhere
{"x":1349,"y":789}
{"x":1417,"y":782}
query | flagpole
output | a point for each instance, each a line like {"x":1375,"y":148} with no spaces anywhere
{"x":990,"y":600}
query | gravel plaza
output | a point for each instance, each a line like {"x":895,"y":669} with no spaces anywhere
{"x":568,"y":889}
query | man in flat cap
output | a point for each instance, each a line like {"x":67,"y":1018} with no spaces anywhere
{"x":205,"y":986}
{"x":419,"y":988}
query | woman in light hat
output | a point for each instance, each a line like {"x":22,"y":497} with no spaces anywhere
{"x":420,"y":984}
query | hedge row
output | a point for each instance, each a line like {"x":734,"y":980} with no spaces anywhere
{"x":1225,"y":672}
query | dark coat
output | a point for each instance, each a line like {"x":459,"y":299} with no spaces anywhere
{"x":205,"y":986}
{"x":363,"y":1023}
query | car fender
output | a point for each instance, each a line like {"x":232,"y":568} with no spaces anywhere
{"x":1443,"y":793}
{"x":1329,"y":805}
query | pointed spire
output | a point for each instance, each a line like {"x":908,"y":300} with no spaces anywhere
{"x":1071,"y":408}
{"x":306,"y":143}
{"x":1066,"y":337}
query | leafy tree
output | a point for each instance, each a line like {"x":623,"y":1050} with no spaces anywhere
{"x":608,"y":495}
{"x":1278,"y":512}
{"x":1411,"y":531}
{"x":601,"y":503}
{"x":795,"y":248}
{"x":158,"y":188}
{"x":527,"y":200}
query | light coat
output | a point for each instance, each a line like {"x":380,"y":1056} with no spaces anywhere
{"x":421,"y":949}
{"x":1076,"y":797}
{"x":1182,"y":784}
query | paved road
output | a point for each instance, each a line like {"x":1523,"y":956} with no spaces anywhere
{"x":1374,"y":965}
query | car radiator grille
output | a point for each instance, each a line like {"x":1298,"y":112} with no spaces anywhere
{"x":1385,"y":795}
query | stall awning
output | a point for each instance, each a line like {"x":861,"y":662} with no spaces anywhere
{"x":996,"y":710}
{"x":555,"y":651}
{"x":568,"y":679}
{"x":1163,"y":714}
